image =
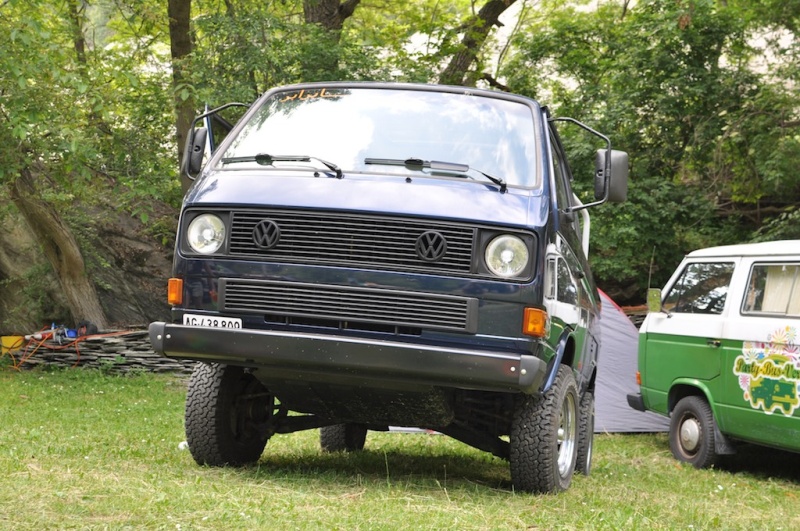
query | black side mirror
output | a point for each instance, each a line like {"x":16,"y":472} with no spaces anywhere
{"x":194,"y":152}
{"x":615,"y":184}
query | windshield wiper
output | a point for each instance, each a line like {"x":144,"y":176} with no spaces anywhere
{"x":265,"y":159}
{"x":413,"y":163}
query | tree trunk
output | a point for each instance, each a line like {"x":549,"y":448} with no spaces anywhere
{"x":180,"y":43}
{"x":475,"y":35}
{"x":330,"y":14}
{"x":60,"y":248}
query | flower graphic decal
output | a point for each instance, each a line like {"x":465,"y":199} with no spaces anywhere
{"x":769,"y":372}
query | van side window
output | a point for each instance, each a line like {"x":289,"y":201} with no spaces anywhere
{"x":773,"y":289}
{"x":701,"y":288}
{"x":567,"y":290}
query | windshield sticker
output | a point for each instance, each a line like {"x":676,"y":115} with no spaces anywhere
{"x":310,"y":95}
{"x":769,"y":372}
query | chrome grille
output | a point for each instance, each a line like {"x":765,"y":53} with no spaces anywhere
{"x":344,"y":304}
{"x":332,"y":238}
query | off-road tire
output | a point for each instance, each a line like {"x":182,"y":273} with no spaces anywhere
{"x":543,"y":441}
{"x":585,"y":434}
{"x":228,"y":414}
{"x":692,"y":432}
{"x":342,"y":438}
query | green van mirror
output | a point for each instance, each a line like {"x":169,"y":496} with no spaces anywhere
{"x":654,"y":300}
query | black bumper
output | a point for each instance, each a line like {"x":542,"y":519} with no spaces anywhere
{"x":351,"y":361}
{"x":636,"y":401}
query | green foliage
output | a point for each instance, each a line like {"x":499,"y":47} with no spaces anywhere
{"x":701,"y":93}
{"x":675,"y":85}
{"x":93,"y":122}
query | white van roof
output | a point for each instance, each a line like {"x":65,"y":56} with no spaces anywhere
{"x":777,"y":248}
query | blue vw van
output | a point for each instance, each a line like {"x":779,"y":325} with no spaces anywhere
{"x":355,"y":256}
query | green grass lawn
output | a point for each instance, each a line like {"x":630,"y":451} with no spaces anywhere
{"x":84,"y":450}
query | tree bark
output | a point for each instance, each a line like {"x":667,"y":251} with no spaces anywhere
{"x":330,"y":14}
{"x":475,"y":35}
{"x":77,"y":12}
{"x":180,"y":44}
{"x":59,"y":247}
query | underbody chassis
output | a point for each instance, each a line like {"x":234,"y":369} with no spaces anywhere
{"x":249,"y":381}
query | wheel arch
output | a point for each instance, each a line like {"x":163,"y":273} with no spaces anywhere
{"x":565,"y":355}
{"x":682,"y":389}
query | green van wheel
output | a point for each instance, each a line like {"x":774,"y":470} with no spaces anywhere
{"x":691,"y":432}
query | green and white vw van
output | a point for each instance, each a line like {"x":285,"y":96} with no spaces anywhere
{"x":719,"y":351}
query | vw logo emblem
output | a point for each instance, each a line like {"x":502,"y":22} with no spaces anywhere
{"x":431,"y":246}
{"x":266,"y":234}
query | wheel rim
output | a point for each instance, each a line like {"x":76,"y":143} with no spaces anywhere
{"x":690,"y":434}
{"x":567,"y":435}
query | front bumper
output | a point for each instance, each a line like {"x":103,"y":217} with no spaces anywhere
{"x":636,"y":401}
{"x":351,"y":361}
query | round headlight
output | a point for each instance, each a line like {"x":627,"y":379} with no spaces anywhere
{"x":507,"y":256}
{"x":206,"y":234}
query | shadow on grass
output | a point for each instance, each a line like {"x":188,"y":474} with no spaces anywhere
{"x":763,"y":463}
{"x":390,"y":466}
{"x":760,"y":462}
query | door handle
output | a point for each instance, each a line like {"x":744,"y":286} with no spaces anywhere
{"x":714,"y":343}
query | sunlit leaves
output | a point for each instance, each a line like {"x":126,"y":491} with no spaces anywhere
{"x":699,"y":92}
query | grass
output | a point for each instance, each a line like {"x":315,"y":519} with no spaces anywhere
{"x":84,"y":450}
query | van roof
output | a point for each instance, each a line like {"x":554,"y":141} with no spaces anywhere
{"x":777,"y":248}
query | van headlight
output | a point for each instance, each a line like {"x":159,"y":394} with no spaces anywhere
{"x":507,"y":256}
{"x":206,"y":234}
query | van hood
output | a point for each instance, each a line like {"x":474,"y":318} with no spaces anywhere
{"x":407,"y":195}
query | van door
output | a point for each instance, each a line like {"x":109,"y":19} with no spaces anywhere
{"x":761,"y":399}
{"x":683,"y":342}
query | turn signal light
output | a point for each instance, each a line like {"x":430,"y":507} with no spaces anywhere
{"x":175,"y":291}
{"x":638,"y":378}
{"x":534,"y":322}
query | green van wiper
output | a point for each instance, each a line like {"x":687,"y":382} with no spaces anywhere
{"x":414,"y":163}
{"x":265,"y":159}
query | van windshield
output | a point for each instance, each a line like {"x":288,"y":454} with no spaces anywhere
{"x":347,"y":126}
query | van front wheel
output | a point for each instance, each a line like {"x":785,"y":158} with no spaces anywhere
{"x":691,"y":432}
{"x":543,"y":440}
{"x":229,"y":415}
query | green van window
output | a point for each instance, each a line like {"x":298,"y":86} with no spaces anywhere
{"x":701,"y":288}
{"x":773,"y":289}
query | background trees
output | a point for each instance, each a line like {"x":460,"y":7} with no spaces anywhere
{"x":96,"y":96}
{"x":704,"y":97}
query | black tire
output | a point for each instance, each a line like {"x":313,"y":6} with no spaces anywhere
{"x":691,"y":432}
{"x":342,"y":438}
{"x":583,"y":464}
{"x":228,"y":415}
{"x":543,"y":441}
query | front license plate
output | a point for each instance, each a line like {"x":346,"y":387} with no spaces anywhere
{"x":190,"y":319}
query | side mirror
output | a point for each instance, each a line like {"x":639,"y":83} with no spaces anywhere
{"x":613,"y":186}
{"x":654,"y":300}
{"x":194,"y":152}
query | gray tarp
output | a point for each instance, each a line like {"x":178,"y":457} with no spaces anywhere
{"x":616,"y":376}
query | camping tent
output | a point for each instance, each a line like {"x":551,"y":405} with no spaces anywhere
{"x":616,"y":376}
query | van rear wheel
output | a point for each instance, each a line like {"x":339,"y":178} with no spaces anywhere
{"x":692,"y":432}
{"x":342,"y":437}
{"x":585,"y":434}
